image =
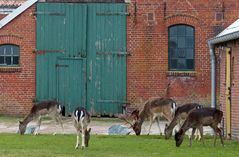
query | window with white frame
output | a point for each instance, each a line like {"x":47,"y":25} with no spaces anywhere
{"x":9,"y":55}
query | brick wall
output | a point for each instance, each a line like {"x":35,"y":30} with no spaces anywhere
{"x":17,"y":85}
{"x":147,"y":41}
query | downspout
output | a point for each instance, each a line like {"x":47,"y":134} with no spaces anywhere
{"x":213,"y":75}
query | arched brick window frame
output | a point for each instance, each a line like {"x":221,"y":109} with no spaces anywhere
{"x":187,"y":20}
{"x":14,"y":40}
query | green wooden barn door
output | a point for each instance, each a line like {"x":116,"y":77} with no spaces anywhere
{"x":61,"y":53}
{"x":71,"y":82}
{"x":81,"y":55}
{"x":107,"y":58}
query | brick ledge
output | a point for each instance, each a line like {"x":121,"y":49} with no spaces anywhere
{"x":10,"y":69}
{"x":181,"y":73}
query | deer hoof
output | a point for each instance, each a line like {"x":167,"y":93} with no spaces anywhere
{"x":82,"y":147}
{"x":36,"y":133}
{"x":54,"y":133}
{"x":76,"y":147}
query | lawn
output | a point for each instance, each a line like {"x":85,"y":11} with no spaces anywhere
{"x":110,"y":146}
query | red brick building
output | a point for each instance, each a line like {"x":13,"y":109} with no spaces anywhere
{"x":225,"y":45}
{"x":17,"y":69}
{"x":151,"y":69}
{"x":167,"y":42}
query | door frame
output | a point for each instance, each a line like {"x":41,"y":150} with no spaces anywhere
{"x":228,"y":92}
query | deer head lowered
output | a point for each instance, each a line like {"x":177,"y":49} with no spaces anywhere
{"x":153,"y":109}
{"x":196,"y":120}
{"x":180,"y":115}
{"x":51,"y":108}
{"x":81,"y":120}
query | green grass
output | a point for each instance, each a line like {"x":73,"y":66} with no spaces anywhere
{"x":110,"y":146}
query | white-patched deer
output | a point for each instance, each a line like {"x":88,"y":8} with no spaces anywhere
{"x":81,"y":119}
{"x":154,"y":109}
{"x":196,"y":120}
{"x":49,"y":108}
{"x":180,"y":116}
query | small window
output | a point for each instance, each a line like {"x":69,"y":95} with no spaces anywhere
{"x":9,"y":55}
{"x":181,"y":48}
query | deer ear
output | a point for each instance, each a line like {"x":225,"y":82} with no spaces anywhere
{"x":89,"y":130}
{"x":20,"y":122}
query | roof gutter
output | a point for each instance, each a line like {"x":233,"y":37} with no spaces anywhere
{"x":211,"y":43}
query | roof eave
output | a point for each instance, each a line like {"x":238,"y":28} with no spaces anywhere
{"x":16,"y":12}
{"x":224,"y":38}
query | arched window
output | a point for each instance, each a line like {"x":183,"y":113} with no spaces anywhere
{"x":9,"y":55}
{"x":181,"y":47}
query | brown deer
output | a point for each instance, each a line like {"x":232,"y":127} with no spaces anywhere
{"x":49,"y":108}
{"x":196,"y":120}
{"x":180,"y":115}
{"x":81,"y":119}
{"x":154,"y":108}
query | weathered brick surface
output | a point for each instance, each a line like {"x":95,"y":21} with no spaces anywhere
{"x":147,"y":41}
{"x":17,"y":85}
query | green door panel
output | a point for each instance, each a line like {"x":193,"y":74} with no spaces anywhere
{"x":81,"y":55}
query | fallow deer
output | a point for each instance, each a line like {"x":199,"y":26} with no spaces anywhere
{"x":196,"y":120}
{"x":180,"y":116}
{"x":49,"y":108}
{"x":81,"y":119}
{"x":154,"y":109}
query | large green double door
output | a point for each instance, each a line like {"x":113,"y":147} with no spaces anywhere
{"x":81,"y":55}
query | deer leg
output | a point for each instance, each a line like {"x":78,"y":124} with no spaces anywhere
{"x":150,"y":125}
{"x":38,"y":126}
{"x":58,"y":119}
{"x":83,"y":138}
{"x":217,"y":130}
{"x":201,"y":133}
{"x":197,"y":135}
{"x":193,"y":131}
{"x":77,"y":139}
{"x":158,"y":123}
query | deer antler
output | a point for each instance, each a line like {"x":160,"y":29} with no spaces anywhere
{"x":124,"y":118}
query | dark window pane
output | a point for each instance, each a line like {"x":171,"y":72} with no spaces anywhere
{"x":173,"y":42}
{"x":181,"y":47}
{"x":8,"y":50}
{"x":1,"y":59}
{"x":181,"y":53}
{"x":181,"y":30}
{"x":190,"y":54}
{"x":8,"y":60}
{"x":1,"y":50}
{"x":173,"y":53}
{"x":15,"y":60}
{"x":190,"y":64}
{"x":181,"y":42}
{"x":189,"y":42}
{"x":181,"y":64}
{"x":173,"y":31}
{"x":189,"y":31}
{"x":173,"y":64}
{"x":15,"y":50}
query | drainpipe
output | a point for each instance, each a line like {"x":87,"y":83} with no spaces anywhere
{"x":213,"y":75}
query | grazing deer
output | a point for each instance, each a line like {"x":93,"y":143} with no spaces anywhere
{"x":196,"y":120}
{"x":81,"y":119}
{"x":49,"y":108}
{"x":153,"y":109}
{"x":180,"y":115}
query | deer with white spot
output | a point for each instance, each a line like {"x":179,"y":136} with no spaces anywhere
{"x":81,"y":119}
